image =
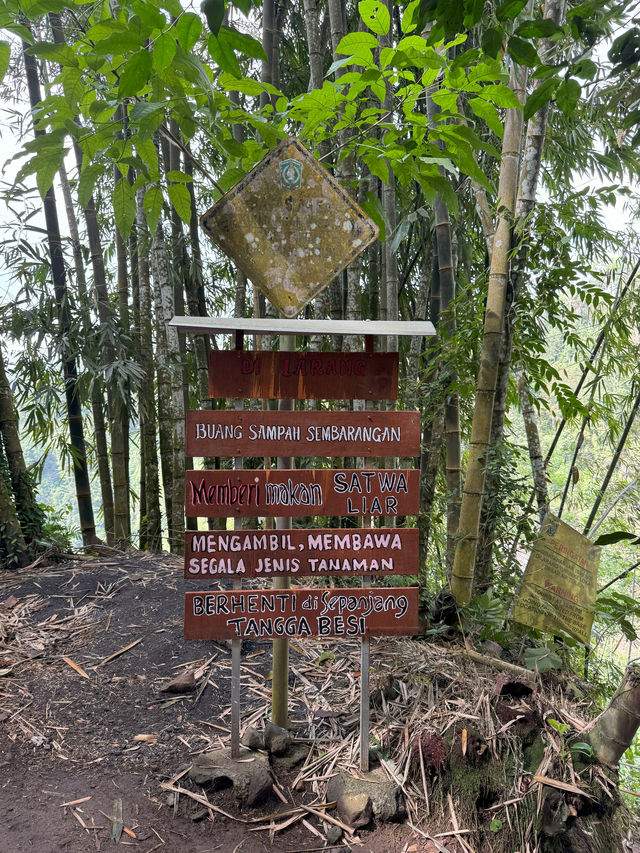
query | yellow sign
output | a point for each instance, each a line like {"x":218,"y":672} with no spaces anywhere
{"x":289,"y":226}
{"x":558,"y":590}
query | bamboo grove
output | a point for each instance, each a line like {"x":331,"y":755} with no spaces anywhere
{"x":485,"y":140}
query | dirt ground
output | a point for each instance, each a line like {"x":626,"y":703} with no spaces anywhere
{"x":85,"y":647}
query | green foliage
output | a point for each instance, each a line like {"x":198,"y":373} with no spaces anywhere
{"x":543,"y":660}
{"x":58,"y":534}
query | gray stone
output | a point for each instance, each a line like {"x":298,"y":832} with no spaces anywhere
{"x":295,"y":755}
{"x":252,"y":738}
{"x":250,"y":776}
{"x":387,"y":799}
{"x":333,"y":833}
{"x":183,"y":683}
{"x":276,"y":739}
{"x":355,"y":809}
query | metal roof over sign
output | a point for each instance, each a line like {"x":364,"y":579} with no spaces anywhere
{"x":289,"y":226}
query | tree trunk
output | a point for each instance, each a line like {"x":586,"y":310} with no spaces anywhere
{"x":447,"y":323}
{"x":268,"y":30}
{"x":533,"y":441}
{"x":13,"y":549}
{"x":102,"y":458}
{"x":29,"y":512}
{"x":527,"y":189}
{"x":345,"y":295}
{"x":464,"y":560}
{"x":430,"y":459}
{"x":122,"y":399}
{"x":165,"y":431}
{"x":74,"y":408}
{"x":116,"y":405}
{"x":97,"y":393}
{"x":160,"y":270}
{"x":316,"y":53}
{"x":611,"y":733}
{"x":151,"y":506}
{"x":195,"y":286}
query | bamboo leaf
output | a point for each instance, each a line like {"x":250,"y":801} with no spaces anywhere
{"x":617,"y":536}
{"x":124,"y":206}
{"x":181,"y":201}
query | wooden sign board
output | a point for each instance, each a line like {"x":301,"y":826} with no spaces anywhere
{"x":300,"y":553}
{"x":303,"y":375}
{"x":295,"y":492}
{"x":267,"y":614}
{"x":234,"y":433}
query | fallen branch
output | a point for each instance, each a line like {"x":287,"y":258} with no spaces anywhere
{"x":496,"y":663}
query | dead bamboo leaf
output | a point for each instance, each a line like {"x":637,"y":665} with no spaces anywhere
{"x":562,"y":786}
{"x":120,"y":652}
{"x":146,"y":738}
{"x":328,"y":818}
{"x":75,"y":666}
{"x":75,"y":802}
{"x":80,"y":821}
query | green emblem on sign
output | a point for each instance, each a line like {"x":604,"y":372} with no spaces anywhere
{"x":291,"y":173}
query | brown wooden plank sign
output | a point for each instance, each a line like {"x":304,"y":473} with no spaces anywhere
{"x":296,"y":492}
{"x":303,"y":376}
{"x":270,"y":554}
{"x":265,"y":614}
{"x":239,"y":433}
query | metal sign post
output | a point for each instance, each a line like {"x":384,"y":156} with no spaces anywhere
{"x":236,"y":645}
{"x":280,"y":650}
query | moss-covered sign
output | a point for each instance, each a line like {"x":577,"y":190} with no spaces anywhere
{"x":289,"y":226}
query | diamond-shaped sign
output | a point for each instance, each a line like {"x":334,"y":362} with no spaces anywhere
{"x":289,"y":226}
